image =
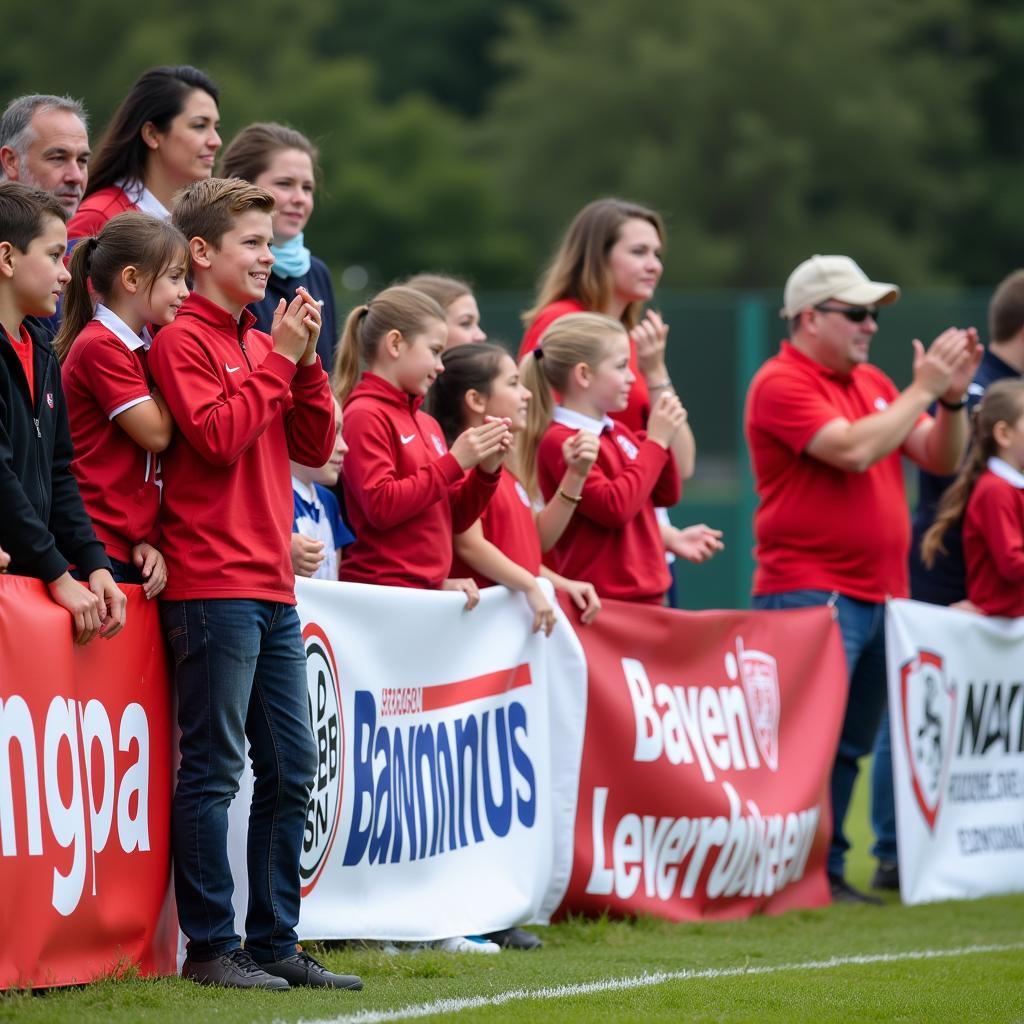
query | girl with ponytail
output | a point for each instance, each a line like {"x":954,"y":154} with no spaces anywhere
{"x":988,"y":498}
{"x":405,"y":492}
{"x":613,"y":539}
{"x":136,"y":270}
{"x":481,"y":383}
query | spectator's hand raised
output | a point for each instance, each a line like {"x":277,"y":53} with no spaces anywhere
{"x":651,"y":338}
{"x":946,"y":357}
{"x":695,"y":543}
{"x":667,"y":416}
{"x":477,"y":444}
{"x":963,"y":376}
{"x":290,"y":330}
{"x":580,"y":451}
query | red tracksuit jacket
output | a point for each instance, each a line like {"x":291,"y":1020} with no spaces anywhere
{"x":241,"y":412}
{"x":405,"y":493}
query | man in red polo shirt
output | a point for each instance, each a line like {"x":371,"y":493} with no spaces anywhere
{"x":826,"y":431}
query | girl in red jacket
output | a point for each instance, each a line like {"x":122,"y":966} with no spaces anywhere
{"x":988,"y":497}
{"x":480,"y":383}
{"x":136,"y":267}
{"x":406,"y":493}
{"x":613,"y":539}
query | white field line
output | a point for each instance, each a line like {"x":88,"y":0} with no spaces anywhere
{"x":457,"y":1005}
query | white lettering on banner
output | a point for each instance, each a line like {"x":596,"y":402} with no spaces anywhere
{"x":72,"y":730}
{"x":758,"y":854}
{"x":709,"y":725}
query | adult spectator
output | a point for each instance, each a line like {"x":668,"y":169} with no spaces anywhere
{"x":946,"y":582}
{"x":457,"y":300}
{"x":825,"y":431}
{"x":609,"y":261}
{"x":44,"y":143}
{"x":283,"y":161}
{"x":162,"y":137}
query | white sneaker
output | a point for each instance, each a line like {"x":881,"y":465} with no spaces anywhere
{"x":467,"y":944}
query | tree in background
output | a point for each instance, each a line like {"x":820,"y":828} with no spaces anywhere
{"x":764,"y":132}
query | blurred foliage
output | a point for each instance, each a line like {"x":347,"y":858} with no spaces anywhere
{"x":462,"y":135}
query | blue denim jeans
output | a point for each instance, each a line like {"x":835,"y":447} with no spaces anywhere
{"x":883,"y":799}
{"x":862,"y":625}
{"x":240,"y":673}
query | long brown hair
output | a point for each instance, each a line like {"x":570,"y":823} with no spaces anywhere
{"x":580,"y":268}
{"x":398,"y":308}
{"x":569,"y":341}
{"x":130,"y":239}
{"x":1003,"y":403}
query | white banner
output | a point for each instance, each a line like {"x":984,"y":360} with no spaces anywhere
{"x":449,"y":746}
{"x":956,"y":709}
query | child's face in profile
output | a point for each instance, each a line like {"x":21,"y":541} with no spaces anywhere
{"x":40,"y":274}
{"x":419,"y":361}
{"x":240,"y":265}
{"x":328,"y":473}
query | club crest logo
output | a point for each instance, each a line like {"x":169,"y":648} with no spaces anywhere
{"x":438,"y":444}
{"x":928,"y":705}
{"x":323,"y":812}
{"x":759,"y":673}
{"x":49,"y":399}
{"x":627,"y":446}
{"x":523,"y":496}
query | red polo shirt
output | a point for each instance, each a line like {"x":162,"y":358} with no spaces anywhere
{"x":613,"y":539}
{"x":508,"y":524}
{"x":994,"y":541}
{"x":636,"y":412}
{"x":104,"y":375}
{"x":818,"y":527}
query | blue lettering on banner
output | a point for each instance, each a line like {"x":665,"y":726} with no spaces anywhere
{"x":415,"y":786}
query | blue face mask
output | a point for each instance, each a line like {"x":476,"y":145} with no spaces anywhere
{"x":290,"y":259}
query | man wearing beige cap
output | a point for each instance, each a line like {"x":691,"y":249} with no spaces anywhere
{"x":826,"y":430}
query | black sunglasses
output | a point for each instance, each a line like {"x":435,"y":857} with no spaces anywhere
{"x":855,"y":314}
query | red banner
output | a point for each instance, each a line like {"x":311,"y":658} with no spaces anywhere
{"x":709,"y":745}
{"x":85,"y":790}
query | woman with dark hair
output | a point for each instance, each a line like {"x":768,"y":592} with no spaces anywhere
{"x":283,"y":161}
{"x":609,"y":262}
{"x":161,"y":137}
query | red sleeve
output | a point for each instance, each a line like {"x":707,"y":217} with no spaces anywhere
{"x":1000,"y":523}
{"x":612,"y":501}
{"x":219,"y":428}
{"x":668,"y":488}
{"x":112,"y":373}
{"x":471,"y":496}
{"x":371,"y":478}
{"x":788,"y":408}
{"x":309,"y":416}
{"x":545,"y":319}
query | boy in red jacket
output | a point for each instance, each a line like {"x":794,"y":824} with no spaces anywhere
{"x":244,"y":403}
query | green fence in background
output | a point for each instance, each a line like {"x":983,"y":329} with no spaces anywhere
{"x":718,"y":340}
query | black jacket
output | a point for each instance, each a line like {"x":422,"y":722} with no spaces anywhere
{"x":43,"y":523}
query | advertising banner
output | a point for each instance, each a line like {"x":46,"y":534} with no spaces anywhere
{"x":956,"y":711}
{"x":85,"y":787}
{"x":709,"y":744}
{"x":449,"y":748}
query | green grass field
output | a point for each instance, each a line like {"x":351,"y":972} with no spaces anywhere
{"x":764,"y":970}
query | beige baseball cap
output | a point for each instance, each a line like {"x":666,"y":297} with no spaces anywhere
{"x":833,"y":277}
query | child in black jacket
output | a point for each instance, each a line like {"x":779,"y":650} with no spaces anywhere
{"x":43,"y":524}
